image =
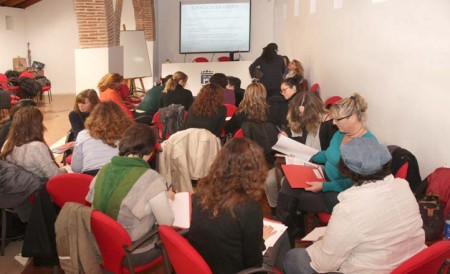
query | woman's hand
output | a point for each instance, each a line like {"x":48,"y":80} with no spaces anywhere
{"x":267,"y":231}
{"x":171,"y":194}
{"x":314,"y":186}
{"x":282,"y":133}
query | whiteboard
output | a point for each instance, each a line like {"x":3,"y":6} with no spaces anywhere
{"x":136,"y":62}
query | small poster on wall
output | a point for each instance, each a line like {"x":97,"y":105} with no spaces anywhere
{"x":19,"y":63}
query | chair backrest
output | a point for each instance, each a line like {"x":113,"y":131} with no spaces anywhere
{"x":239,"y":133}
{"x":110,"y":237}
{"x":314,"y":87}
{"x":200,"y":60}
{"x":402,"y":172}
{"x":69,"y":187}
{"x":429,"y":260}
{"x":231,"y":109}
{"x":331,"y":101}
{"x":223,"y":59}
{"x":158,"y":123}
{"x":182,"y":255}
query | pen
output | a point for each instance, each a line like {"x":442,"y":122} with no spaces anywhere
{"x":278,"y":128}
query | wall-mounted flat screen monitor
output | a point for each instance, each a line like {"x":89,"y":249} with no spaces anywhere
{"x":209,"y":27}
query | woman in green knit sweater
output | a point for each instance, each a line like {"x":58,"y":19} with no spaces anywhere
{"x":130,"y":192}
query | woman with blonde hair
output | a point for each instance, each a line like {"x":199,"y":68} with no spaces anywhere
{"x":349,"y":116}
{"x":98,"y":142}
{"x":295,"y":68}
{"x":253,"y":108}
{"x":108,"y":86}
{"x":84,"y":103}
{"x":175,"y":93}
{"x":208,"y":111}
{"x":25,"y":145}
{"x":227,"y":219}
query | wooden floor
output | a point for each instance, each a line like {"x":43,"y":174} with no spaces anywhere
{"x":57,"y":124}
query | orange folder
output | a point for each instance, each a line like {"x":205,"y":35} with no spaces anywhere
{"x":297,"y":175}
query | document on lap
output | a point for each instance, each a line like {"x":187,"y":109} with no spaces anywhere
{"x":182,"y":208}
{"x":315,"y":235}
{"x":294,"y":149}
{"x":279,"y":229}
{"x":298,"y":175}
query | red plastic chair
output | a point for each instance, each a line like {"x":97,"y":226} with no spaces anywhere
{"x":402,"y":172}
{"x":200,"y":60}
{"x":231,"y":109}
{"x":430,"y":260}
{"x":159,"y":125}
{"x":223,"y":59}
{"x":115,"y":244}
{"x":48,"y":89}
{"x":239,"y":133}
{"x":331,"y":101}
{"x":70,"y":187}
{"x":314,"y":88}
{"x":183,"y":257}
{"x":26,"y":74}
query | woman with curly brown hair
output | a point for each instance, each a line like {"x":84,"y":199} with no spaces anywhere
{"x":208,"y":111}
{"x":25,"y":145}
{"x":227,"y":219}
{"x":97,"y":143}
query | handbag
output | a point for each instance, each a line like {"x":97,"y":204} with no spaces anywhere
{"x":432,"y":213}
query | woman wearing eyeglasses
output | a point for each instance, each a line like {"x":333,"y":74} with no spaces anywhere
{"x":348,"y":115}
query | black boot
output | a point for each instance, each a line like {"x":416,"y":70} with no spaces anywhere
{"x":286,"y":213}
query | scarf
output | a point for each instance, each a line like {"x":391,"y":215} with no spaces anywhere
{"x":114,"y":181}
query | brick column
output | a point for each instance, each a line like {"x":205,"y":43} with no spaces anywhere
{"x":98,"y":22}
{"x":144,"y":13}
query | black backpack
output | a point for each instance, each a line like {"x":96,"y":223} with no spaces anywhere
{"x":172,"y":118}
{"x":43,"y":81}
{"x":30,"y":88}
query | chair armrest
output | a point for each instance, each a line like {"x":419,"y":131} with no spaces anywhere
{"x":256,"y":270}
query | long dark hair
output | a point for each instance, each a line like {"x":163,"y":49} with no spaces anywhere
{"x":27,"y":127}
{"x":269,"y":51}
{"x":237,"y":174}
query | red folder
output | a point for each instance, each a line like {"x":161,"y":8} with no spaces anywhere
{"x":297,"y":176}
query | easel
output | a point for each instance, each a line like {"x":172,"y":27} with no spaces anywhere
{"x":132,"y":85}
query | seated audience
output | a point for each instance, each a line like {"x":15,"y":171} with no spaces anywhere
{"x":348,"y":115}
{"x":234,"y":84}
{"x":208,"y":111}
{"x":129,"y":191}
{"x":222,"y":80}
{"x":84,"y":103}
{"x":108,"y":86}
{"x":376,"y":225}
{"x":25,"y":145}
{"x":6,"y":124}
{"x":150,"y":103}
{"x":97,"y":143}
{"x":227,"y":219}
{"x":175,"y":93}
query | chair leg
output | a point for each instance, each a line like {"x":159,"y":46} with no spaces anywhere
{"x":49,"y":94}
{"x":2,"y":249}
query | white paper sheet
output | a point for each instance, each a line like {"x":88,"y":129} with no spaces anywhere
{"x":279,"y":230}
{"x":294,"y":149}
{"x":314,"y":235}
{"x":181,"y":208}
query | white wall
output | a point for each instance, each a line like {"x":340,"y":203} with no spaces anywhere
{"x":14,"y":41}
{"x":53,"y":33}
{"x":168,"y":20}
{"x":395,"y":53}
